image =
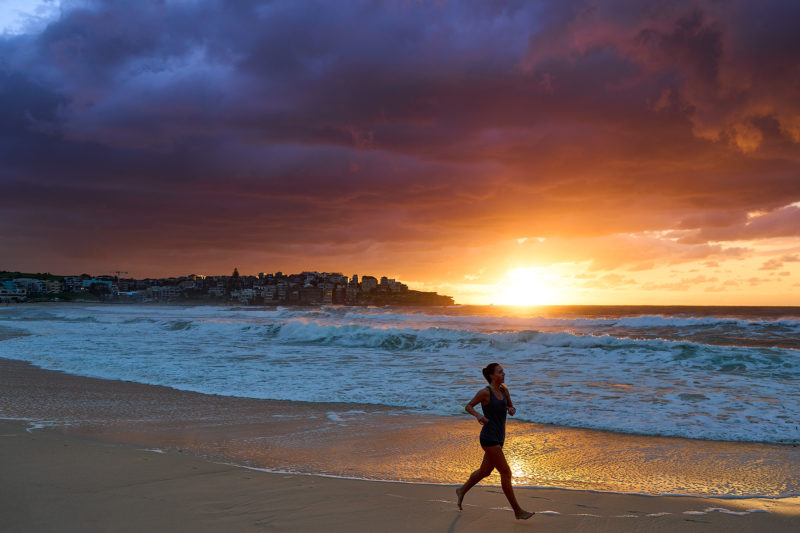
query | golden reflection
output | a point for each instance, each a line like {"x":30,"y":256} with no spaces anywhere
{"x":517,"y":469}
{"x":445,"y":450}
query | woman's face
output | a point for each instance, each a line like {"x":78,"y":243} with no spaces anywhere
{"x":499,"y":375}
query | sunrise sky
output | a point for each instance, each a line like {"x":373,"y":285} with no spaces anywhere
{"x":564,"y":152}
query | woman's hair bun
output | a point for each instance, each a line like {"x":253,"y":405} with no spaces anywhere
{"x":489,"y":370}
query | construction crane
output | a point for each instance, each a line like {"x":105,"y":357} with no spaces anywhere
{"x":118,"y":272}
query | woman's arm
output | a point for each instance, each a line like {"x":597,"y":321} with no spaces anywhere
{"x":509,"y":404}
{"x":480,"y":398}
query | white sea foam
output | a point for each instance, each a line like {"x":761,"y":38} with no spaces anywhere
{"x":342,"y":416}
{"x":701,"y":377}
{"x":724,"y":511}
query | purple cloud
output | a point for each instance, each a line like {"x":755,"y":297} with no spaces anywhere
{"x":212,"y":125}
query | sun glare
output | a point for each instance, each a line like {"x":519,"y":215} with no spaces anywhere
{"x":528,"y":286}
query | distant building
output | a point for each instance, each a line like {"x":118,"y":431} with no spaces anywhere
{"x":9,"y":292}
{"x":216,"y":292}
{"x":31,"y":285}
{"x":351,"y":294}
{"x":164,"y":293}
{"x":72,"y":283}
{"x":327,"y":289}
{"x":391,"y":285}
{"x":54,"y":286}
{"x":368,"y":283}
{"x":89,"y":282}
{"x":310,"y":295}
{"x":305,"y":288}
{"x":269,"y":293}
{"x":283,"y":290}
{"x":244,"y":296}
{"x":132,"y":296}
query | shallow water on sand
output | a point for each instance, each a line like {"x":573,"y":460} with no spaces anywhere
{"x":376,"y":442}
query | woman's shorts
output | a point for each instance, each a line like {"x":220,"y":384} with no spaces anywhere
{"x":487,"y":443}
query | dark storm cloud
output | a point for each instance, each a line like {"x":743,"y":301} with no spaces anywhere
{"x":216,"y":124}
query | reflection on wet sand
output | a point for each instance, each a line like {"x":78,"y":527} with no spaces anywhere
{"x":375,"y":442}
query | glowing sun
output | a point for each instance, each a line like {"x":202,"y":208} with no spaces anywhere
{"x":528,"y":286}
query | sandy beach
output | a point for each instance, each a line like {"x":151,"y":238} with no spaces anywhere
{"x":82,"y":454}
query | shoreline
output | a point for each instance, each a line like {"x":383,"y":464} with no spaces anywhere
{"x":372,"y":442}
{"x":56,"y":481}
{"x":594,"y":380}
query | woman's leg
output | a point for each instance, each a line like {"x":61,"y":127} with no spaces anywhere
{"x":484,"y":470}
{"x":498,"y":460}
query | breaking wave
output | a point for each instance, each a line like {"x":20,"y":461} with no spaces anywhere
{"x":700,"y":377}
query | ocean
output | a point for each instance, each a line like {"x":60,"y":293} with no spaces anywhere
{"x":709,"y":373}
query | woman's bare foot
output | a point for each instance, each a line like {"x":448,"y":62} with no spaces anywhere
{"x":523,"y":515}
{"x":460,"y":497}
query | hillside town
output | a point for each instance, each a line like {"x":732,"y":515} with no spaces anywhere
{"x":306,"y":288}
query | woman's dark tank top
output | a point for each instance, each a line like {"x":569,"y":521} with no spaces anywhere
{"x":495,"y":411}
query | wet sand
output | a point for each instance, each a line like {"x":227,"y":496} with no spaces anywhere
{"x":378,"y":442}
{"x":58,"y":482}
{"x":90,"y":469}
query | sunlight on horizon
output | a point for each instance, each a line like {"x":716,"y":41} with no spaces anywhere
{"x":529,"y":287}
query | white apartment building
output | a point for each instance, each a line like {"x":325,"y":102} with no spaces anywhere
{"x":31,"y":286}
{"x":165,"y":293}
